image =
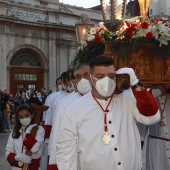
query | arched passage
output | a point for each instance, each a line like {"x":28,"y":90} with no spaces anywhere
{"x":26,"y":70}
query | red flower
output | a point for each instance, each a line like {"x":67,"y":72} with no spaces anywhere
{"x":149,"y":36}
{"x":144,"y":25}
{"x":128,"y":35}
{"x":98,"y":39}
{"x":157,"y":20}
{"x":88,"y":42}
{"x":129,"y":31}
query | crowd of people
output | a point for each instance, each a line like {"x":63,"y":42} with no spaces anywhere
{"x":91,"y":124}
{"x":9,"y":104}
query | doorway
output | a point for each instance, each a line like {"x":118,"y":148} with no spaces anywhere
{"x":26,"y":72}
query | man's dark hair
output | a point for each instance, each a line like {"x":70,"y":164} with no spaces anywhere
{"x":70,"y":73}
{"x":59,"y":78}
{"x":100,"y":61}
{"x":64,"y":76}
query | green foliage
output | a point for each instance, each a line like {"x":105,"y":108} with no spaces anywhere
{"x":87,"y":53}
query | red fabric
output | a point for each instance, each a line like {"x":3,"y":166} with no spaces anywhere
{"x":11,"y":160}
{"x":146,"y":104}
{"x":51,"y":167}
{"x":47,"y":131}
{"x":29,"y":142}
{"x":35,"y":164}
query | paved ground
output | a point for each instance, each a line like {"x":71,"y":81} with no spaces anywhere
{"x":4,"y":165}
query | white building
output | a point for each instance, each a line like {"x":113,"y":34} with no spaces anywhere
{"x":159,"y":7}
{"x":37,"y":41}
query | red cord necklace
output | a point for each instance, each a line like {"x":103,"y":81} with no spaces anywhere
{"x":106,"y":137}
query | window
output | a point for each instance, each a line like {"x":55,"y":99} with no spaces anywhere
{"x":31,"y":77}
{"x":19,"y":87}
{"x":25,"y":58}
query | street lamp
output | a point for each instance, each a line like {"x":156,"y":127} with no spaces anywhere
{"x":113,"y":19}
{"x":81,"y":26}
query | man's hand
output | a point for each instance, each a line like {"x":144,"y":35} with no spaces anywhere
{"x":130,"y":71}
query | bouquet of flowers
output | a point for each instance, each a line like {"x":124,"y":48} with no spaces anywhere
{"x":94,"y":44}
{"x":151,"y":29}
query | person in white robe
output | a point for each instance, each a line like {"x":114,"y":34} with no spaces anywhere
{"x":49,"y":112}
{"x":158,"y":138}
{"x":100,"y":128}
{"x":82,"y":87}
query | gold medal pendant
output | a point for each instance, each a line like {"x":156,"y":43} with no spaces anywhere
{"x":106,"y":138}
{"x":20,"y":164}
{"x":161,"y":123}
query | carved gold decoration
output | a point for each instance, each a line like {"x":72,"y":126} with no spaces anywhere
{"x":144,"y":7}
{"x":166,"y":68}
{"x":140,"y":61}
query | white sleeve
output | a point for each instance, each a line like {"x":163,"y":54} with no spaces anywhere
{"x":10,"y":146}
{"x":40,"y":139}
{"x":66,"y":151}
{"x":142,"y":130}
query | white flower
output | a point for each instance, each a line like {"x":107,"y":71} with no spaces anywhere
{"x":90,"y":38}
{"x":93,"y":31}
{"x":101,"y":24}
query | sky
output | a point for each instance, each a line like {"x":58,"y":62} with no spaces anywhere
{"x":84,"y":3}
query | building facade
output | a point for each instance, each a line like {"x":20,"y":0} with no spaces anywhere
{"x":37,"y":41}
{"x":159,"y":8}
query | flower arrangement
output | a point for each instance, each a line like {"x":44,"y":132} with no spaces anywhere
{"x":150,"y":29}
{"x":133,"y":33}
{"x":95,"y":35}
{"x":94,"y":44}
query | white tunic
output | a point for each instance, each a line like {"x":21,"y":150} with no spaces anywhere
{"x":47,"y":101}
{"x":61,"y":112}
{"x":15,"y":145}
{"x":158,"y":151}
{"x":53,"y":115}
{"x":49,"y":112}
{"x":83,"y":127}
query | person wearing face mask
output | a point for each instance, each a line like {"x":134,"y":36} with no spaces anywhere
{"x":47,"y":128}
{"x":81,"y":73}
{"x":21,"y":139}
{"x":52,"y":104}
{"x":99,"y":130}
{"x":158,"y":135}
{"x":58,"y":84}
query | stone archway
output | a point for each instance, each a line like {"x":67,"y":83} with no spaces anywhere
{"x":26,"y":69}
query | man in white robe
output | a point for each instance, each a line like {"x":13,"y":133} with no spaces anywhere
{"x":49,"y":112}
{"x":82,"y":72}
{"x":158,"y":138}
{"x":100,"y":128}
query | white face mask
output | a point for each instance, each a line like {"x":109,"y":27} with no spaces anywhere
{"x":72,"y":87}
{"x":105,"y":86}
{"x":64,"y":87}
{"x":84,"y":86}
{"x":25,"y":121}
{"x":60,"y":87}
{"x":69,"y":89}
{"x":156,"y":92}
